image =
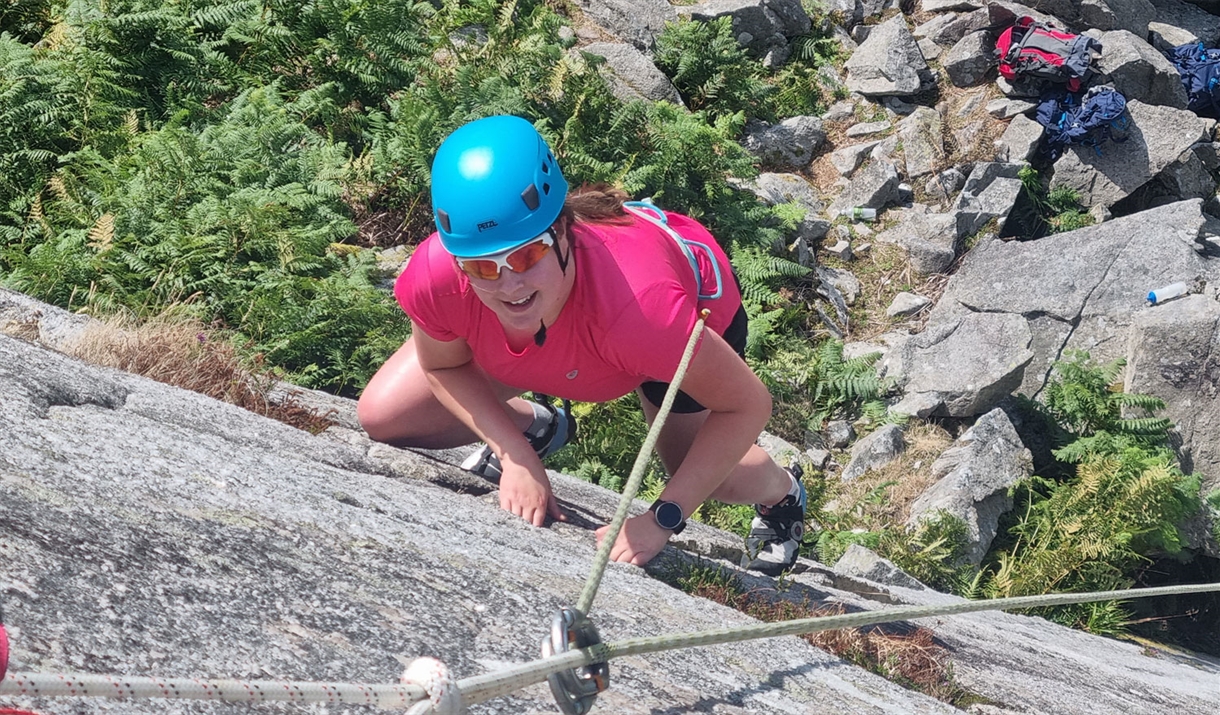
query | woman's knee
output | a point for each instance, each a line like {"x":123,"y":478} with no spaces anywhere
{"x":376,"y":415}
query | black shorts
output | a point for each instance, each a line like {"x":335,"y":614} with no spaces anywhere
{"x":735,"y":335}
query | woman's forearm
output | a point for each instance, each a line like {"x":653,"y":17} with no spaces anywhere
{"x":722,"y":442}
{"x":465,"y":392}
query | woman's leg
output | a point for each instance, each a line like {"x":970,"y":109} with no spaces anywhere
{"x":756,"y":479}
{"x":397,"y":407}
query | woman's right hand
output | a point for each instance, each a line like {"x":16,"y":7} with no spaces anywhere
{"x":527,"y":493}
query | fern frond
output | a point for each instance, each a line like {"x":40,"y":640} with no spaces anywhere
{"x":101,"y":235}
{"x":1157,"y":426}
{"x":1147,"y":402}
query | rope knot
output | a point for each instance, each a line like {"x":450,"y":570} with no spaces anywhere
{"x":444,"y":698}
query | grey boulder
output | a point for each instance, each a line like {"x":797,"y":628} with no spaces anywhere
{"x":849,"y":158}
{"x":874,"y":451}
{"x":1187,"y":178}
{"x":789,"y":145}
{"x":970,"y":60}
{"x":1020,"y":140}
{"x":1171,"y":356}
{"x":906,"y":304}
{"x":874,"y":186}
{"x":923,"y":142}
{"x":860,"y":562}
{"x":973,"y":479}
{"x":632,"y":75}
{"x":930,"y":240}
{"x":635,"y":21}
{"x":887,"y":63}
{"x":1129,"y":15}
{"x":991,"y":191}
{"x":1186,"y":18}
{"x":1158,"y":137}
{"x":1006,"y":108}
{"x":761,"y":26}
{"x":1139,"y":71}
{"x":966,"y":366}
{"x":1080,"y":289}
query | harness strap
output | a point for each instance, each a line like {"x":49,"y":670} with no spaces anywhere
{"x":649,"y":212}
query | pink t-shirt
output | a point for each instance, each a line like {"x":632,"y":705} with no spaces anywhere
{"x":627,"y":320}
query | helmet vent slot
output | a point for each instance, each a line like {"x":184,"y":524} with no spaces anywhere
{"x":546,"y":189}
{"x":530,"y":197}
{"x":546,"y":167}
{"x":443,"y":219}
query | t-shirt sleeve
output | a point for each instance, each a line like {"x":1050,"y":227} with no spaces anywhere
{"x":429,"y":291}
{"x":649,"y":336}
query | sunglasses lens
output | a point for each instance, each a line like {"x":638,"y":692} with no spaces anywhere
{"x":519,"y":261}
{"x":478,"y":268}
{"x":527,"y":256}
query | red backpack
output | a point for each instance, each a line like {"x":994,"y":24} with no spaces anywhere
{"x":1033,"y":49}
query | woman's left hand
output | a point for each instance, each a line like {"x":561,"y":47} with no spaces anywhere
{"x":639,"y":541}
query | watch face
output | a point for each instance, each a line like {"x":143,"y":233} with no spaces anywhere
{"x":669,"y":515}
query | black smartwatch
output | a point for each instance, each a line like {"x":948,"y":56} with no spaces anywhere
{"x":668,"y":515}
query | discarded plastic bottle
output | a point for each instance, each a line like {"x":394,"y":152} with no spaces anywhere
{"x":859,"y":213}
{"x":1160,"y":295}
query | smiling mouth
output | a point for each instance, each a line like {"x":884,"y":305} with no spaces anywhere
{"x":524,"y":302}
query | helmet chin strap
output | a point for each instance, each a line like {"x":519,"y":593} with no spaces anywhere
{"x":540,"y":336}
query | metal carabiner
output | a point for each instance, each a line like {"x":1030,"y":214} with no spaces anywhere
{"x":575,"y":690}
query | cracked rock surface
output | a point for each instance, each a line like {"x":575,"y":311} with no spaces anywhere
{"x":1079,"y":290}
{"x":145,"y":530}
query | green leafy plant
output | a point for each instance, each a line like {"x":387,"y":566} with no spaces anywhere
{"x":708,"y":66}
{"x":1088,"y":405}
{"x":609,"y":440}
{"x":1121,"y":505}
{"x":810,"y":385}
{"x":235,"y":222}
{"x":1041,"y":212}
{"x":934,"y":552}
{"x":844,"y":383}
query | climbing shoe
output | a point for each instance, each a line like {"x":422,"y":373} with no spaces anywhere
{"x":776,"y":532}
{"x":553,"y":428}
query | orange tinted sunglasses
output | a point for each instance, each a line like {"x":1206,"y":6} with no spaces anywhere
{"x":517,"y":260}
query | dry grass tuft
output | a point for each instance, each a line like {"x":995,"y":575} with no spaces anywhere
{"x":24,"y":329}
{"x":185,"y":354}
{"x":907,"y":655}
{"x":912,"y":659}
{"x":884,"y":273}
{"x":899,"y":483}
{"x":956,"y":118}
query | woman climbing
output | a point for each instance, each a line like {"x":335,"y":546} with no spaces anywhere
{"x":581,"y":295}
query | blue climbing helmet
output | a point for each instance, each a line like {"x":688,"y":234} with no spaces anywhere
{"x":495,"y":186}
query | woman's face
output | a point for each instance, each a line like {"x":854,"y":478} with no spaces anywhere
{"x":523,"y":301}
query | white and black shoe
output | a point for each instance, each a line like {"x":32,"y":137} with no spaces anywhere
{"x":545,"y":436}
{"x":776,"y":532}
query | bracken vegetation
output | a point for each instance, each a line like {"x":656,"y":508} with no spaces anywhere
{"x":1120,"y":501}
{"x":230,"y":158}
